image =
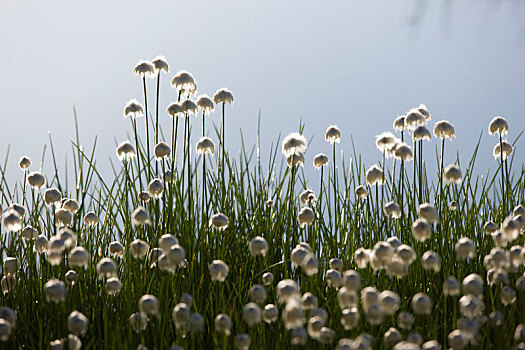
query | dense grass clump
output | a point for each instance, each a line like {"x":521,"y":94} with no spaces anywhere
{"x":186,"y":246}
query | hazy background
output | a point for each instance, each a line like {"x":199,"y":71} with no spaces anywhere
{"x":356,"y":64}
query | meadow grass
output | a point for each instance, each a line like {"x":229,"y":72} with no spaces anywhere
{"x":260,"y":196}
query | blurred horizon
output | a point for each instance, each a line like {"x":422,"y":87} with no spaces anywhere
{"x":353,"y":64}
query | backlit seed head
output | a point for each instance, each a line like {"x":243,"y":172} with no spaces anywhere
{"x":9,"y":282}
{"x":326,"y":335}
{"x":138,"y":322}
{"x":465,"y":248}
{"x":251,"y":314}
{"x":453,"y":205}
{"x":394,"y":242}
{"x":361,"y":191}
{"x":457,"y":339}
{"x":362,"y":257}
{"x":184,"y":83}
{"x":293,"y":314}
{"x":399,"y":123}
{"x":144,"y":69}
{"x":161,"y":64}
{"x":36,"y":180}
{"x":269,"y":203}
{"x":352,"y":280}
{"x":421,"y":230}
{"x":470,"y":306}
{"x":336,"y":264}
{"x":392,"y":336}
{"x":392,"y":210}
{"x":333,"y":278}
{"x":218,"y":270}
{"x":242,"y":341}
{"x":91,"y":219}
{"x":133,"y":109}
{"x":406,"y":253}
{"x":71,"y":277}
{"x":18,"y":208}
{"x":205,"y":104}
{"x":78,"y":256}
{"x":505,"y":146}
{"x":176,"y":254}
{"x":52,"y":196}
{"x":369,"y":295}
{"x":189,"y":107}
{"x":332,"y":134}
{"x":413,"y":119}
{"x":24,"y":163}
{"x":270,"y":313}
{"x":350,"y":318}
{"x":452,"y":174}
{"x":305,"y":217}
{"x":174,"y":110}
{"x":139,"y":249}
{"x":374,"y":313}
{"x":389,"y":301}
{"x":162,"y":151}
{"x":430,"y":261}
{"x":307,"y":197}
{"x":257,"y":293}
{"x":309,"y":301}
{"x":397,"y":267}
{"x":258,"y":246}
{"x":414,"y":340}
{"x":498,"y":125}
{"x":5,"y":329}
{"x":41,"y":243}
{"x":223,"y":96}
{"x":293,"y":143}
{"x":106,"y":267}
{"x":149,"y":304}
{"x":140,"y":217}
{"x":320,"y":160}
{"x":126,"y":151}
{"x":428,"y":212}
{"x":116,"y":249}
{"x":298,"y":336}
{"x":403,"y":152}
{"x":219,"y":221}
{"x":180,"y":314}
{"x":347,"y":298}
{"x":29,"y":233}
{"x":11,"y":265}
{"x":295,"y":159}
{"x":267,"y":278}
{"x":155,"y":188}
{"x":508,"y":295}
{"x":444,"y":129}
{"x":421,"y":304}
{"x":63,"y":217}
{"x":287,"y":290}
{"x":472,"y":284}
{"x":431,"y":345}
{"x":421,"y":133}
{"x":8,"y":315}
{"x":405,"y":320}
{"x":310,"y":265}
{"x":424,"y":111}
{"x":374,"y":175}
{"x":223,"y":324}
{"x":55,"y":290}
{"x":385,"y":141}
{"x":166,"y":241}
{"x":144,"y":196}
{"x":205,"y":145}
{"x":12,"y":220}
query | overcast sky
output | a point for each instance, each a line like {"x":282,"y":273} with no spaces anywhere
{"x":356,"y":64}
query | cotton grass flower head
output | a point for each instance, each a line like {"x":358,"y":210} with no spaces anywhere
{"x":205,"y":145}
{"x":505,"y":146}
{"x":352,"y":280}
{"x":106,"y":268}
{"x":392,"y":210}
{"x":298,"y":336}
{"x":374,"y":175}
{"x":287,"y":290}
{"x":140,"y":217}
{"x":116,"y":249}
{"x":333,"y":278}
{"x":295,"y":159}
{"x":24,"y":163}
{"x":180,"y":314}
{"x":305,"y":217}
{"x":332,"y":134}
{"x":174,"y":110}
{"x":55,"y":291}
{"x":218,"y":270}
{"x":361,"y":191}
{"x":384,"y":141}
{"x":78,"y":256}
{"x":421,"y":304}
{"x":389,"y":301}
{"x":320,"y":160}
{"x":7,"y":314}
{"x":270,"y":313}
{"x":257,"y":294}
{"x":219,"y":221}
{"x":424,"y":111}
{"x":336,"y":264}
{"x":421,"y":133}
{"x":184,"y":83}
{"x":309,"y":301}
{"x":421,"y":230}
{"x":52,"y":196}
{"x":413,"y":119}
{"x":444,"y":129}
{"x":293,"y":143}
{"x":399,"y":123}
{"x":251,"y":314}
{"x":403,"y":152}
{"x":452,"y":174}
{"x":133,"y":109}
{"x":465,"y":248}
{"x":223,"y":324}
{"x":176,"y":254}
{"x":242,"y":341}
{"x":138,"y":322}
{"x":71,"y":277}
{"x":428,"y":212}
{"x":91,"y":219}
{"x":126,"y":151}
{"x":166,"y":241}
{"x":149,"y":304}
{"x":223,"y":96}
{"x":189,"y":107}
{"x":472,"y":284}
{"x":36,"y":180}
{"x":350,"y":318}
{"x":293,"y":314}
{"x":470,"y":306}
{"x":161,"y":64}
{"x":258,"y":246}
{"x":162,"y":151}
{"x":430,"y":261}
{"x":498,"y":125}
{"x":12,"y":220}
{"x":155,"y":188}
{"x":205,"y":104}
{"x":29,"y":233}
{"x":406,"y":253}
{"x":362,"y":257}
{"x":267,"y":278}
{"x":507,"y":295}
{"x":144,"y":69}
{"x":139,"y":249}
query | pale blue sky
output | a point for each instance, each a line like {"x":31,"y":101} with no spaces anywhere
{"x":356,"y":64}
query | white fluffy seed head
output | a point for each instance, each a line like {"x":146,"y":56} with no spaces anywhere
{"x":77,"y":323}
{"x":421,"y":304}
{"x":251,"y":314}
{"x":144,"y":69}
{"x":184,"y":83}
{"x":361,"y":191}
{"x":218,"y":270}
{"x":452,"y":174}
{"x":421,"y":133}
{"x":155,"y":188}
{"x":106,"y":267}
{"x":465,"y":249}
{"x":36,"y":180}
{"x":428,"y":212}
{"x":205,"y":145}
{"x":126,"y":151}
{"x":320,"y":160}
{"x":332,"y":134}
{"x":399,"y":123}
{"x":149,"y":304}
{"x":161,"y":64}
{"x":174,"y":110}
{"x":374,"y":175}
{"x":55,"y":291}
{"x":421,"y":230}
{"x":24,"y":163}
{"x":52,"y":196}
{"x":293,"y":143}
{"x":205,"y":104}
{"x":505,"y":146}
{"x":258,"y":246}
{"x":305,"y":217}
{"x":162,"y":151}
{"x":431,"y":261}
{"x":219,"y":221}
{"x":223,"y":324}
{"x":385,"y":141}
{"x":140,"y":217}
{"x":498,"y":125}
{"x":223,"y":96}
{"x":392,"y":210}
{"x":133,"y":109}
{"x":12,"y":220}
{"x":444,"y":129}
{"x":403,"y":152}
